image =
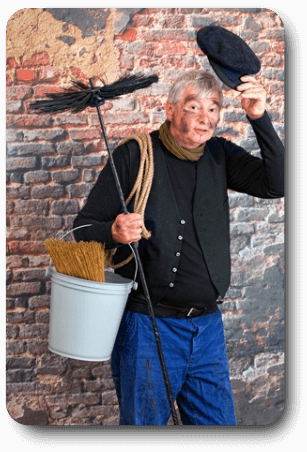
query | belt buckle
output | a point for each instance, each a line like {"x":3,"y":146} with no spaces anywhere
{"x":190,"y":312}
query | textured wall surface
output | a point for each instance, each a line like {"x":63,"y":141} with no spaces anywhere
{"x":53,"y":162}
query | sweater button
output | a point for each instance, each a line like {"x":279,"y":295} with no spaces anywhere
{"x":177,"y":254}
{"x":182,"y":221}
{"x":171,"y":285}
{"x":174,"y":270}
{"x":179,"y":237}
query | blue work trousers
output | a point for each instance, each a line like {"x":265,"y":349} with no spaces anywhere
{"x":195,"y":357}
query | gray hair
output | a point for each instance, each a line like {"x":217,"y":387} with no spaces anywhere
{"x":202,"y":81}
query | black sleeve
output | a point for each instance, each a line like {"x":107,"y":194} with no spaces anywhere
{"x":260,"y":177}
{"x":103,"y":203}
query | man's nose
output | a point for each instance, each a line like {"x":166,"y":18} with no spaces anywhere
{"x":204,"y":117}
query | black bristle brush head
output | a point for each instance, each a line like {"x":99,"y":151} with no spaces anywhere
{"x":80,"y":96}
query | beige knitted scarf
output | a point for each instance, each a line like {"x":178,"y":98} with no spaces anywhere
{"x":179,"y":151}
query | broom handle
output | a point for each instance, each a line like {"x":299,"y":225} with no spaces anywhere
{"x":142,"y":275}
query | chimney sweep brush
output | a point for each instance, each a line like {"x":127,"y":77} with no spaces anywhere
{"x":76,"y":99}
{"x":80,"y":96}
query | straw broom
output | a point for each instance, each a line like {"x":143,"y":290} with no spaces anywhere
{"x":79,"y":259}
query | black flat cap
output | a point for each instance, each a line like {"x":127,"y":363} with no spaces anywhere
{"x":229,"y":56}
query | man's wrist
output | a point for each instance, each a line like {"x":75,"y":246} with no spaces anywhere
{"x":113,"y":233}
{"x":254,"y":118}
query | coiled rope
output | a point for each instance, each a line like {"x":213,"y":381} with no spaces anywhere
{"x":141,"y":188}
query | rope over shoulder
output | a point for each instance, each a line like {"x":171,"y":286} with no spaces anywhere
{"x":141,"y":188}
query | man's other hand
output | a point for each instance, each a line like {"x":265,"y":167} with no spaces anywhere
{"x":127,"y":228}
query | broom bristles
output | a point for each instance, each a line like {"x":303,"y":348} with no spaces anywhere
{"x":81,"y":96}
{"x":84,"y":260}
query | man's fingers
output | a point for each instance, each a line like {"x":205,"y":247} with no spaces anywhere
{"x":252,"y":96}
{"x":250,"y":86}
{"x":135,"y":220}
{"x":127,"y":228}
{"x":248,"y":78}
{"x":129,"y":220}
{"x":256,"y":93}
{"x":245,"y":86}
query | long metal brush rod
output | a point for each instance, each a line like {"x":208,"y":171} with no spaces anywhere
{"x":142,"y":275}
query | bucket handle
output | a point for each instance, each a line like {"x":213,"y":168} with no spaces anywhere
{"x":135,"y":284}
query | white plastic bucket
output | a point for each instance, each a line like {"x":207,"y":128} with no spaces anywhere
{"x":85,"y":315}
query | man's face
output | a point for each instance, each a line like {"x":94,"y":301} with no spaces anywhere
{"x":194,"y":120}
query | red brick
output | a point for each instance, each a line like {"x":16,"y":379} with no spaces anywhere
{"x":84,"y":134}
{"x":42,"y":90}
{"x":170,"y":48}
{"x":28,"y":120}
{"x":279,"y":47}
{"x":173,"y":22}
{"x":9,"y":80}
{"x":38,"y":59}
{"x":126,"y":118}
{"x":168,"y":36}
{"x":27,"y":248}
{"x":129,"y":35}
{"x":78,"y":74}
{"x":48,"y":73}
{"x":25,"y":75}
{"x":11,"y":62}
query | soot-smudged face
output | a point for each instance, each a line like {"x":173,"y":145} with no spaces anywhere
{"x":194,"y":120}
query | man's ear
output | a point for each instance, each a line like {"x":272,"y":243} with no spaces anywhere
{"x":169,"y":110}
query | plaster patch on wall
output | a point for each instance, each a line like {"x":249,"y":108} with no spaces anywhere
{"x":31,"y":31}
{"x":124,"y":18}
{"x":88,"y":20}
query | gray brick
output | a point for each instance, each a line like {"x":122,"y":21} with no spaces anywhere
{"x":30,"y":206}
{"x":55,"y":162}
{"x":21,"y":163}
{"x":70,"y":147}
{"x":252,"y":214}
{"x":44,"y":134}
{"x":65,"y":176}
{"x":14,"y":106}
{"x":86,"y":160}
{"x":30,"y":149}
{"x":34,"y":177}
{"x":48,"y":191}
{"x":65,"y":207}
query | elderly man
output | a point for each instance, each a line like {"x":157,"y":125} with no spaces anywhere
{"x":187,"y":258}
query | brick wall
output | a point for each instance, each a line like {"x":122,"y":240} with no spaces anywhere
{"x":53,"y":162}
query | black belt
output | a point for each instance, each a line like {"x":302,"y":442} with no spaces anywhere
{"x":190,"y":312}
{"x":161,"y":310}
